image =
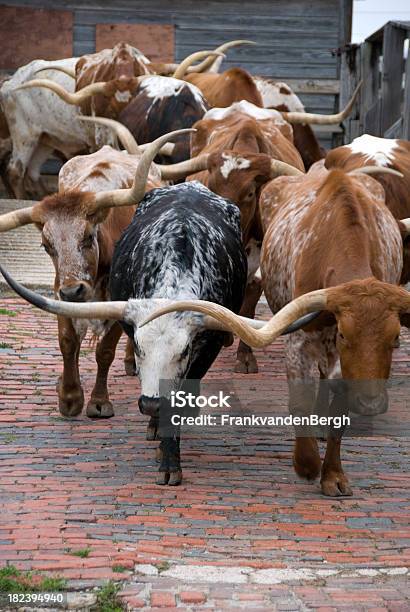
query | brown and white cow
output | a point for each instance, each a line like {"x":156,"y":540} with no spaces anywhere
{"x":79,"y":230}
{"x":119,"y":64}
{"x":331,"y":246}
{"x":280,"y":96}
{"x":369,"y":150}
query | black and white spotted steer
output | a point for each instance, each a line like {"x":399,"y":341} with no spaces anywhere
{"x":184,"y":242}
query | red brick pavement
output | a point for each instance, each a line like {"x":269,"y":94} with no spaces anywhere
{"x":69,"y":485}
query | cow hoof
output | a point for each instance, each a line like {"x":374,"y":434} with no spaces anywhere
{"x":99,"y":409}
{"x":162,"y":478}
{"x":70,"y":404}
{"x":246,"y":364}
{"x":152,"y":429}
{"x":175,"y":478}
{"x":335,"y":484}
{"x":158,"y":454}
{"x":172,"y":479}
{"x":129,"y":367}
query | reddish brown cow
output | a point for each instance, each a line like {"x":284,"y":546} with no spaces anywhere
{"x":222,"y":90}
{"x":79,"y":230}
{"x":331,"y":245}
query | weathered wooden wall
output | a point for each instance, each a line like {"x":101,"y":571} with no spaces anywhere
{"x":157,"y":41}
{"x":25,"y":35}
{"x":383,"y":107}
{"x":296,"y":38}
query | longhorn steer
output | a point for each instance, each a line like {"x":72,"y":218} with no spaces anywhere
{"x":121,"y":63}
{"x":184,"y":242}
{"x":40,"y":124}
{"x":384,"y":153}
{"x":279,"y":96}
{"x":221,"y":90}
{"x":331,"y":245}
{"x":237,"y":145}
{"x":79,"y":230}
{"x":160,"y":105}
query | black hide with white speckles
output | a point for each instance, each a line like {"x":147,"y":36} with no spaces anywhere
{"x":180,"y":236}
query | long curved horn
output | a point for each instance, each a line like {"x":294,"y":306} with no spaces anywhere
{"x":167,"y":149}
{"x":375,"y":170}
{"x":68,"y":71}
{"x":16,"y":218}
{"x":280,"y":168}
{"x":308,"y":303}
{"x":190,"y":166}
{"x":124,"y":135}
{"x":127,"y":197}
{"x":211,"y":323}
{"x":208,"y":63}
{"x":86,"y":310}
{"x":313,"y":118}
{"x":69,"y":97}
{"x":183,"y":66}
{"x":169,"y":68}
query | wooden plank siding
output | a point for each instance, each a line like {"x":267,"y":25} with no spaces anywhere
{"x":25,"y":35}
{"x":296,"y":38}
{"x":156,"y":41}
{"x":383,"y":108}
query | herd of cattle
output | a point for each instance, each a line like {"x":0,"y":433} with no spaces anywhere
{"x":221,"y":191}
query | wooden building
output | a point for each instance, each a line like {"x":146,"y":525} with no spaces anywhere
{"x":297,"y":39}
{"x":382,"y":63}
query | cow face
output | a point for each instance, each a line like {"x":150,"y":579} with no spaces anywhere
{"x":368,"y":329}
{"x":118,"y":67}
{"x":163,"y":350}
{"x":239,"y":178}
{"x":70,"y":237}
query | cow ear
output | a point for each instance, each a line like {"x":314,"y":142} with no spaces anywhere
{"x":262,"y":165}
{"x":214,"y":159}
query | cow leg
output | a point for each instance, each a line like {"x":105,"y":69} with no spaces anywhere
{"x":18,"y":164}
{"x":99,"y":406}
{"x":170,"y":471}
{"x":245,"y":359}
{"x":70,"y":393}
{"x":152,"y":429}
{"x":129,"y":359}
{"x":34,"y":184}
{"x":300,"y":365}
{"x":334,"y":481}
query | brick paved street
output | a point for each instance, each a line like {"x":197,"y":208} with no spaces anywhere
{"x":242,"y":532}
